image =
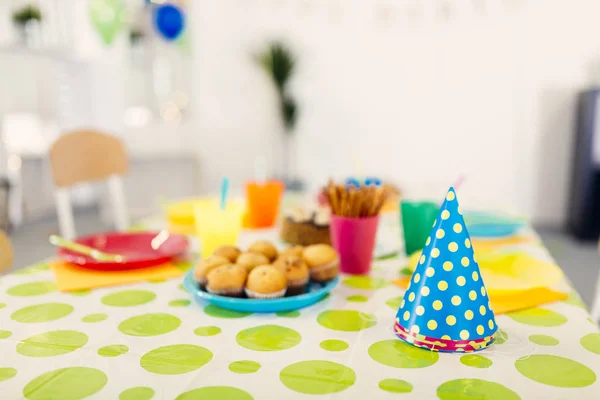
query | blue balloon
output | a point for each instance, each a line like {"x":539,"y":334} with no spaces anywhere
{"x":169,"y":21}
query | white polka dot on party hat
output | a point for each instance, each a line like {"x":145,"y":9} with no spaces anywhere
{"x":465,"y":261}
{"x":475,"y":276}
{"x":459,"y":210}
{"x":448,"y":266}
{"x":435,"y":253}
{"x":460,"y":281}
{"x":456,"y":300}
{"x":453,"y":247}
{"x":417,"y":277}
{"x":414,"y":329}
{"x":432,"y":324}
{"x":406,"y":315}
{"x":437,"y":305}
{"x":440,"y":233}
{"x":442,"y":285}
{"x":450,"y":196}
{"x":429,"y":272}
{"x":420,"y":310}
{"x":422,"y":260}
{"x":479,"y":330}
{"x":482,"y":310}
{"x":428,"y":241}
{"x":469,"y":315}
{"x":451,"y":320}
{"x":425,"y":291}
{"x":457,"y":228}
{"x":464,"y":334}
{"x":445,"y":214}
{"x":411,"y":296}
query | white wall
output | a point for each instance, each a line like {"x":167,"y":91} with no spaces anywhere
{"x":393,"y":86}
{"x":412,"y":95}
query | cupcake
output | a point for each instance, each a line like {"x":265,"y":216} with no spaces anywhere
{"x":296,"y":273}
{"x":292,"y":251}
{"x":264,"y":247}
{"x":230,"y":252}
{"x":265,"y":282}
{"x":205,"y":266}
{"x":227,"y":280}
{"x":252,"y":260}
{"x":323,"y":262}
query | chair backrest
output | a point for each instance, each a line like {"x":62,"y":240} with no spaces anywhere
{"x":86,"y":155}
{"x":6,"y":252}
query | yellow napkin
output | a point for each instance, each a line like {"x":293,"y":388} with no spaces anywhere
{"x":70,"y":277}
{"x":511,"y":302}
{"x":507,"y":273}
{"x":487,"y":245}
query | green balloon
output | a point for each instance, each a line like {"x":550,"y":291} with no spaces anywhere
{"x":106,"y":17}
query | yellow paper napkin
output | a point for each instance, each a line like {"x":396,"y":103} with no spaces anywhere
{"x":517,"y":300}
{"x":70,"y":277}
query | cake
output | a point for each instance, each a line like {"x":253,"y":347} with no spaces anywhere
{"x":323,"y":262}
{"x":227,"y":280}
{"x":296,"y":273}
{"x":205,"y":266}
{"x":229,"y":252}
{"x":266,"y":282}
{"x":304,"y":228}
{"x":252,"y":260}
{"x":264,"y":247}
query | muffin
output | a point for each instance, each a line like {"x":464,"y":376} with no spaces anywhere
{"x":227,"y":280}
{"x":323,"y":262}
{"x":296,"y":273}
{"x":207,"y":265}
{"x":230,"y":252}
{"x":265,"y":282}
{"x":264,"y":247}
{"x":292,"y":251}
{"x":252,"y":260}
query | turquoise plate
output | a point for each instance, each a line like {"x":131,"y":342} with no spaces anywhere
{"x":492,"y":225}
{"x":315,"y":292}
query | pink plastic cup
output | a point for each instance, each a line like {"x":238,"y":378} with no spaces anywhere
{"x":354,"y":240}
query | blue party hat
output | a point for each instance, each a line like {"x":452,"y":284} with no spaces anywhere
{"x":446,"y":299}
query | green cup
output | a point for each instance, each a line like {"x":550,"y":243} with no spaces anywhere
{"x":417,"y":219}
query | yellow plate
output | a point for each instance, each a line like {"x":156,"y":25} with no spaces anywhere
{"x":509,"y":272}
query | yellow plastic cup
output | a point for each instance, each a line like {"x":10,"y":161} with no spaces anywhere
{"x":216,"y":227}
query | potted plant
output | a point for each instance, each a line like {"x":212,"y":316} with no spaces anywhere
{"x":279,"y":63}
{"x":26,"y":19}
{"x":136,"y":36}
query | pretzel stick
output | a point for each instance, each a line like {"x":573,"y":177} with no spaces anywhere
{"x":358,"y":205}
{"x":381,"y":201}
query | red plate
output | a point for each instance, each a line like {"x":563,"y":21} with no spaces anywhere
{"x":135,"y":247}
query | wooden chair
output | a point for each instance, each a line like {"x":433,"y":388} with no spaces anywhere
{"x":595,"y":311}
{"x":84,"y":156}
{"x":6,"y":252}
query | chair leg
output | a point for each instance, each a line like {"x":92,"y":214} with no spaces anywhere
{"x":117,"y":197}
{"x":65,"y":213}
{"x":595,"y":311}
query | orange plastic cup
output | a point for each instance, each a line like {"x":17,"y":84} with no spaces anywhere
{"x":262,"y":203}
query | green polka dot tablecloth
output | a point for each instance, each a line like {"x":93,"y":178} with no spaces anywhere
{"x":151,"y":341}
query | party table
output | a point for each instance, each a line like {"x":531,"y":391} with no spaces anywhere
{"x":150,"y":340}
